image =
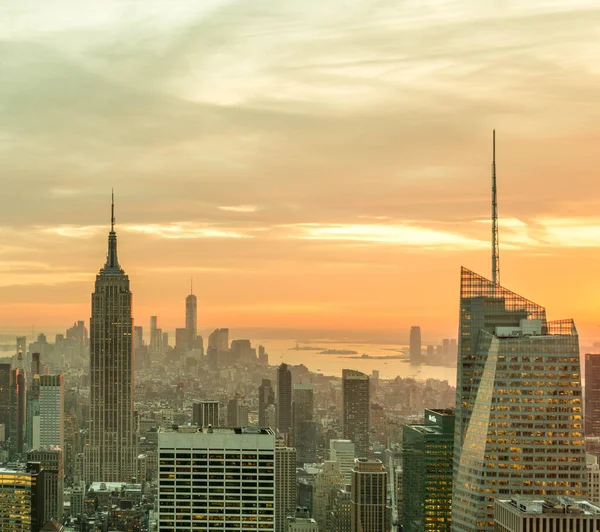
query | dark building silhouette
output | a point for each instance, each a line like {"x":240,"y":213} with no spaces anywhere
{"x":415,"y":345}
{"x":356,"y":403}
{"x":592,"y":394}
{"x":284,"y":399}
{"x":266,"y":397}
{"x":206,"y":413}
{"x":191,"y":319}
{"x":304,"y":426}
{"x":111,"y":454}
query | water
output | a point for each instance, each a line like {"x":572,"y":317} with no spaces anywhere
{"x":389,"y":368}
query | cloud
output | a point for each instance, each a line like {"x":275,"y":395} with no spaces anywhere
{"x":398,"y":234}
{"x":239,"y":208}
{"x":184,"y":230}
{"x":73,"y":231}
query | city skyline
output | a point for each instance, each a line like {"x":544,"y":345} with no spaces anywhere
{"x":248,"y":184}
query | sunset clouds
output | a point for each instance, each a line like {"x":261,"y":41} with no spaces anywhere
{"x":284,"y":151}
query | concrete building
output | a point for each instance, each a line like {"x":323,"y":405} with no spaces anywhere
{"x":21,"y":499}
{"x":550,"y":515}
{"x":415,"y":345}
{"x":592,"y":394}
{"x":304,"y":427}
{"x":111,"y":454}
{"x":285,"y":483}
{"x":284,"y":400}
{"x":301,"y":524}
{"x":208,"y":477}
{"x":593,"y":470}
{"x":356,"y":395}
{"x":51,"y":411}
{"x":342,"y":452}
{"x":326,"y":484}
{"x":51,"y":460}
{"x":368,"y":505}
{"x":266,"y":397}
{"x":519,"y":404}
{"x":206,"y":413}
{"x":427,"y":473}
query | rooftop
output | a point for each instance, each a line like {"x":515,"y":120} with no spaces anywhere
{"x":192,"y":429}
{"x":562,"y":505}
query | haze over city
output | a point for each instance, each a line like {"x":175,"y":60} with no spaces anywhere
{"x":313,"y":165}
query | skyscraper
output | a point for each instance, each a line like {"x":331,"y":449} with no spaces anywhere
{"x":111,"y":451}
{"x":154,"y":339}
{"x":328,"y":482}
{"x":284,"y":399}
{"x":519,"y":419}
{"x":52,"y":410}
{"x":304,"y":426}
{"x":415,"y":345}
{"x":592,"y":394}
{"x":266,"y":397}
{"x":285,"y":483}
{"x":368,"y":507}
{"x":342,"y":452}
{"x":356,"y":403}
{"x":19,"y":500}
{"x":18,"y":421}
{"x":427,"y":473}
{"x":214,"y":476}
{"x":51,"y":460}
{"x":191,"y":319}
{"x":206,"y":413}
{"x":5,"y":396}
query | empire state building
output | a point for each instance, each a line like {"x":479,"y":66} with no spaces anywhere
{"x":111,"y":450}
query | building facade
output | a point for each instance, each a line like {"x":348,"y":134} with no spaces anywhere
{"x":206,"y":413}
{"x":342,"y":452}
{"x":304,"y":426}
{"x":284,"y":399}
{"x":266,"y":397}
{"x":216,"y":479}
{"x":368,"y":505}
{"x":111,"y":450}
{"x":427,"y":473}
{"x":592,"y":394}
{"x":356,"y":393}
{"x":285,"y":484}
{"x":519,"y":422}
{"x":51,"y":461}
{"x":415,"y":345}
{"x":191,"y":319}
{"x":52,"y":410}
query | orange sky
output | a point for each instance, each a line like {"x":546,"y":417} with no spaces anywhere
{"x":310,"y":165}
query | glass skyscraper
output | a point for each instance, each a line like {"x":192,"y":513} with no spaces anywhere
{"x":519,"y":426}
{"x":427,"y":451}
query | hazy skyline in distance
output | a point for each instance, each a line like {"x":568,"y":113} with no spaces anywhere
{"x":318,"y":165}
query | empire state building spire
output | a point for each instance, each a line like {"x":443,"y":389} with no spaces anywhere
{"x":112,"y":262}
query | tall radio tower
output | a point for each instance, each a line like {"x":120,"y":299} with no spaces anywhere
{"x":495,"y":246}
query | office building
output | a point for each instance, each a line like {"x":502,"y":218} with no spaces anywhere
{"x":342,"y":452}
{"x":191,"y":319}
{"x":21,"y":499}
{"x":415,"y":345}
{"x":519,"y":405}
{"x":32,"y":429}
{"x":51,"y":411}
{"x":216,"y":476}
{"x":51,"y":460}
{"x":111,"y":450}
{"x":328,"y":481}
{"x":285,"y":483}
{"x":284,"y":399}
{"x":206,"y":413}
{"x":5,"y":396}
{"x":340,"y":517}
{"x":427,"y":473}
{"x":181,"y":341}
{"x":592,"y":394}
{"x":154,"y":339}
{"x":368,"y":505}
{"x":356,"y":405}
{"x":266,"y":397}
{"x":593,"y":471}
{"x":301,"y":524}
{"x":18,"y":408}
{"x":549,"y":515}
{"x":138,"y":337}
{"x":304,"y":428}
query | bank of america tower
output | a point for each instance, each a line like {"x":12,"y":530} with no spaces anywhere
{"x":110,"y":452}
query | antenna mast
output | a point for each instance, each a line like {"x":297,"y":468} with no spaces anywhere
{"x":495,"y":246}
{"x":112,"y":211}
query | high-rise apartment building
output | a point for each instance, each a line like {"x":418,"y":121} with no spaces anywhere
{"x":266,"y":397}
{"x":285,"y":483}
{"x":427,"y":473}
{"x":284,"y":399}
{"x":191,"y":319}
{"x":356,"y":395}
{"x":327,"y":483}
{"x":368,"y":506}
{"x":111,"y":450}
{"x":51,"y":460}
{"x":342,"y":452}
{"x":415,"y":345}
{"x":592,"y":394}
{"x":216,"y":479}
{"x":206,"y":413}
{"x":304,"y":428}
{"x":51,"y":411}
{"x":519,"y":424}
